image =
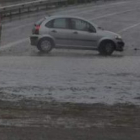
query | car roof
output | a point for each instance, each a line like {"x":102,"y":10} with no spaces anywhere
{"x":64,"y":16}
{"x":50,"y":17}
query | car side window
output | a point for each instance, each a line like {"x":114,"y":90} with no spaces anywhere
{"x":81,"y":25}
{"x":49,"y":24}
{"x":60,"y":23}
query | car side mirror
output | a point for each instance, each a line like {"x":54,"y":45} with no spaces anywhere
{"x":91,"y":30}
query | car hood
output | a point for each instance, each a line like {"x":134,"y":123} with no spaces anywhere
{"x":107,"y":33}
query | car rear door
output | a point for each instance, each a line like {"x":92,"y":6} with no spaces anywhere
{"x":59,"y":30}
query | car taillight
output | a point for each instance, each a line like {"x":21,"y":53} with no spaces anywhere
{"x":36,"y":31}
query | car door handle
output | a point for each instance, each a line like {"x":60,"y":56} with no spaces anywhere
{"x":54,"y":31}
{"x":75,"y":32}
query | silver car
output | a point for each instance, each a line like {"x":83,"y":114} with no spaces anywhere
{"x":72,"y":32}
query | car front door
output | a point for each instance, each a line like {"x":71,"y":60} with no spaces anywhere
{"x":83,"y":34}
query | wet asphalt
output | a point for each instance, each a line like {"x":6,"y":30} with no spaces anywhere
{"x":121,"y":17}
{"x":60,"y":95}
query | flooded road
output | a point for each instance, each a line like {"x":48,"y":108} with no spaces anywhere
{"x":74,"y":79}
{"x":71,"y":94}
{"x":119,"y":17}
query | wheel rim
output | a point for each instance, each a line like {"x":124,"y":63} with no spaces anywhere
{"x":46,"y":45}
{"x":109,"y":48}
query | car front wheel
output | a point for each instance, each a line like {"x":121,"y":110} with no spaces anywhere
{"x":106,"y":48}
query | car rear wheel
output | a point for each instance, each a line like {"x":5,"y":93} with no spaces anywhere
{"x":106,"y":48}
{"x":45,"y":45}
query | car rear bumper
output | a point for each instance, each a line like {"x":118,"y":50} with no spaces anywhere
{"x":120,"y":46}
{"x":34,"y":40}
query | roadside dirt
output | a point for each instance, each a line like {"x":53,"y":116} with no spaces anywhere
{"x":27,"y":119}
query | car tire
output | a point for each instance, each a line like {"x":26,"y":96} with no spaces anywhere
{"x":45,"y":45}
{"x":106,"y":48}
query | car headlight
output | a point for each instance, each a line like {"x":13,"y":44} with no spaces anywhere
{"x":118,"y":37}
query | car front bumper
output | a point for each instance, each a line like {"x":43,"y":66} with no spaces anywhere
{"x":120,"y":46}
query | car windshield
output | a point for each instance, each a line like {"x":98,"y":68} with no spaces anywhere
{"x":101,"y":28}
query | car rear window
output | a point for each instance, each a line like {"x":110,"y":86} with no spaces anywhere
{"x":40,"y":21}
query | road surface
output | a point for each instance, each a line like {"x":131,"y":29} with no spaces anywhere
{"x":71,"y":94}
